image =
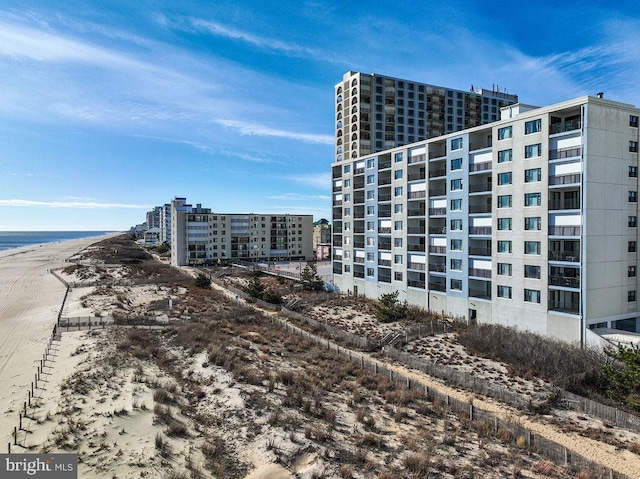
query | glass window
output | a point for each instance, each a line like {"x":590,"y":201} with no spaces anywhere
{"x":456,"y":264}
{"x":397,"y":208}
{"x":631,"y":296}
{"x":633,"y":146}
{"x":371,"y":195}
{"x":504,"y":246}
{"x":347,"y":268}
{"x":371,"y":179}
{"x":631,"y":247}
{"x":633,"y":221}
{"x":532,"y":247}
{"x":531,"y":271}
{"x":456,"y":225}
{"x":631,"y":271}
{"x":397,"y":191}
{"x":371,"y":163}
{"x":456,"y":205}
{"x":397,"y":259}
{"x":633,"y":121}
{"x":456,"y":245}
{"x":456,"y":184}
{"x":347,"y":211}
{"x":347,"y":197}
{"x":504,"y":224}
{"x":398,"y":157}
{"x":370,"y":226}
{"x":505,"y":156}
{"x":347,"y":168}
{"x":533,"y":175}
{"x":533,"y":223}
{"x":504,"y":178}
{"x":633,"y":197}
{"x":532,"y":296}
{"x":504,"y":269}
{"x":505,"y":133}
{"x":456,"y":144}
{"x":370,"y":272}
{"x":532,"y":199}
{"x":533,"y":126}
{"x":347,"y":183}
{"x":370,"y":256}
{"x":504,"y":201}
{"x":371,"y":210}
{"x":456,"y":164}
{"x":397,"y":225}
{"x":504,"y":291}
{"x":397,"y":174}
{"x":456,"y":284}
{"x":633,"y":172}
{"x":531,"y":151}
{"x":397,"y":242}
{"x":397,"y":276}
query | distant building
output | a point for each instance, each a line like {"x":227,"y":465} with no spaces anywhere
{"x":530,"y":221}
{"x":165,"y":223}
{"x":322,"y":240}
{"x":376,"y":112}
{"x":199,"y":235}
{"x":153,"y":217}
{"x":152,"y":236}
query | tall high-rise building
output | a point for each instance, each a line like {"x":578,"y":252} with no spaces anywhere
{"x":375,"y":112}
{"x":531,"y":221}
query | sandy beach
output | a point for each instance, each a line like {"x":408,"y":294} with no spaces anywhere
{"x":30,"y":299}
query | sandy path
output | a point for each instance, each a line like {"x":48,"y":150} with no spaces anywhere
{"x":30,"y":298}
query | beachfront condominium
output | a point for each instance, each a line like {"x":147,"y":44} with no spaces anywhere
{"x":376,"y":112}
{"x":531,"y":221}
{"x":200,"y":236}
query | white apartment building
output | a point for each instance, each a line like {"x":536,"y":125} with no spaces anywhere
{"x":165,"y":223}
{"x":376,"y":112}
{"x":531,"y":221}
{"x":199,"y":235}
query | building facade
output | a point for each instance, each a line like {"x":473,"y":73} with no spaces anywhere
{"x":375,"y":112}
{"x":531,"y":221}
{"x":200,"y":236}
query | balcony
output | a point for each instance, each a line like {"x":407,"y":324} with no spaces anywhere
{"x":568,"y":256}
{"x":435,"y":230}
{"x":417,"y":176}
{"x":479,"y":251}
{"x":358,"y":171}
{"x":480,"y":187}
{"x":416,"y":266}
{"x":384,"y":214}
{"x":437,"y":154}
{"x":417,"y":159}
{"x":564,"y":204}
{"x":565,"y":126}
{"x":565,"y":153}
{"x":337,"y":203}
{"x":417,"y":194}
{"x":358,"y":244}
{"x":480,"y":273}
{"x":570,"y":179}
{"x":384,"y":181}
{"x":479,"y":293}
{"x":384,"y":262}
{"x":434,"y":249}
{"x":475,"y":209}
{"x":480,"y":145}
{"x":437,"y":211}
{"x":480,"y":230}
{"x":437,"y":267}
{"x":484,"y":166}
{"x":414,"y":283}
{"x":384,"y":230}
{"x":358,"y":259}
{"x":437,"y":287}
{"x":358,"y":274}
{"x":384,"y":245}
{"x":437,"y":173}
{"x":565,"y":230}
{"x":337,"y":242}
{"x":437,"y":192}
{"x":564,"y":306}
{"x":337,"y":268}
{"x":384,"y":197}
{"x":565,"y":281}
{"x":416,"y":247}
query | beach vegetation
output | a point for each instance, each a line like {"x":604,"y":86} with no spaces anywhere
{"x":390,"y":309}
{"x":310,"y":280}
{"x":202,"y":281}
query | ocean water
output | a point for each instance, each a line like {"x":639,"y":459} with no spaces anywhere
{"x":18,"y":239}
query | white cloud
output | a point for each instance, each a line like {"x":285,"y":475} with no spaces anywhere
{"x":298,"y":197}
{"x":320,"y":181}
{"x":255,"y":129}
{"x":68,"y":204}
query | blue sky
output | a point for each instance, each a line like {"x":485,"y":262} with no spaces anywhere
{"x":110,"y":108}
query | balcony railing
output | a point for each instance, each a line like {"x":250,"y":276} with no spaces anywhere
{"x":358,"y":171}
{"x":384,"y":197}
{"x":437,"y":230}
{"x":565,"y":153}
{"x":416,"y":176}
{"x":437,"y":211}
{"x":479,"y":208}
{"x":565,"y":204}
{"x":417,"y":158}
{"x":480,"y":230}
{"x":565,"y":281}
{"x":565,"y":126}
{"x":564,"y":230}
{"x":437,"y":192}
{"x":437,"y":286}
{"x":434,"y":249}
{"x":337,"y":203}
{"x":485,"y":165}
{"x":384,"y":230}
{"x":437,"y":154}
{"x":384,"y":165}
{"x":480,"y":273}
{"x":384,"y":181}
{"x":570,"y":179}
{"x":416,"y":247}
{"x":358,"y":259}
{"x":568,"y":256}
{"x":480,"y":145}
{"x":358,"y":229}
{"x":416,"y":266}
{"x":416,"y":212}
{"x":358,"y":274}
{"x":414,"y":283}
{"x":564,"y":306}
{"x":438,"y":267}
{"x":417,"y":194}
{"x":384,"y":246}
{"x":358,"y":244}
{"x":437,"y":173}
{"x":479,"y":251}
{"x":337,"y":242}
{"x":384,"y":262}
{"x":479,"y":293}
{"x":478,"y":187}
